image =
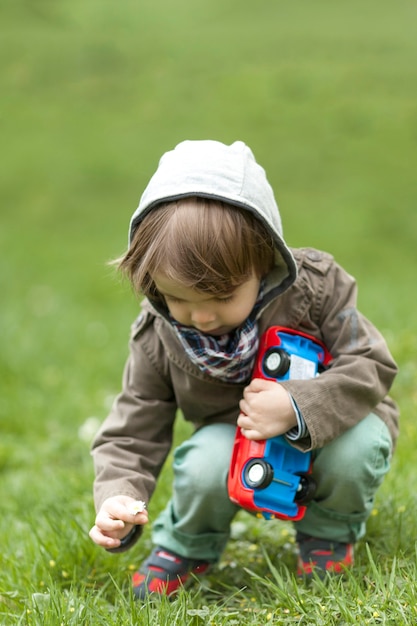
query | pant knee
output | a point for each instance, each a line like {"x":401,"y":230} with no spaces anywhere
{"x":201,"y":463}
{"x":359,"y":457}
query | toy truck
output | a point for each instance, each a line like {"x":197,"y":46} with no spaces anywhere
{"x":270,"y":477}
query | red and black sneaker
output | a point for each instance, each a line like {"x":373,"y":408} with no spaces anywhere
{"x":164,"y":572}
{"x":322,"y":556}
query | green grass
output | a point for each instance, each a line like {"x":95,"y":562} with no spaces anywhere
{"x":92,"y":93}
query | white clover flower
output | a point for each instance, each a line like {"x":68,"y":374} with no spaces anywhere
{"x":138,"y":506}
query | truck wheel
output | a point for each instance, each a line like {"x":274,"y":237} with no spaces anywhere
{"x":258,"y":474}
{"x":306,"y":490}
{"x":276,"y":362}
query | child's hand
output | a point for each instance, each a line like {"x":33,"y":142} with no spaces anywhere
{"x":266,"y":410}
{"x":115,"y":520}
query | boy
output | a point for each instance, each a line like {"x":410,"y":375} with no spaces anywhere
{"x":206,"y":249}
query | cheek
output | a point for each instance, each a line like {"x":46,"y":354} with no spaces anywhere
{"x":238,"y":314}
{"x":177,"y":312}
{"x":243,"y":309}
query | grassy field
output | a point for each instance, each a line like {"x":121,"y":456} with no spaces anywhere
{"x":92,"y":93}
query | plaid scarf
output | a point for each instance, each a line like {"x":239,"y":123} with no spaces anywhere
{"x":229,"y":357}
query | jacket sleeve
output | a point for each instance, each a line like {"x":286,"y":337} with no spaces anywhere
{"x":133,"y":442}
{"x":362,"y":370}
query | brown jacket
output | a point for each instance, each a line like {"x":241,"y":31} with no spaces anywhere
{"x":135,"y":439}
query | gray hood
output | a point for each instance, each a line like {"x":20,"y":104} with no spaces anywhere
{"x":211,"y":169}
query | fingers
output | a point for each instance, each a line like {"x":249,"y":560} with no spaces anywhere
{"x":244,"y":407}
{"x":115,"y":519}
{"x":266,"y":410}
{"x":107,"y":532}
{"x":248,"y":428}
{"x":138,"y":519}
{"x":255,"y":387}
{"x":123,"y":509}
{"x":103,"y":540}
{"x":252,"y":434}
{"x":107,"y":523}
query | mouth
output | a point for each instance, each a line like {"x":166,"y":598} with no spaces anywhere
{"x":216,"y":332}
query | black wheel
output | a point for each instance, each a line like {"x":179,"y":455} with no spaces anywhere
{"x":306,"y":490}
{"x":258,"y":474}
{"x":276,"y":362}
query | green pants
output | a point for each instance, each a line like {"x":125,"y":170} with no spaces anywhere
{"x":348,"y":471}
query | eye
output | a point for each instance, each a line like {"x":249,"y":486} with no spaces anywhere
{"x":225,"y":298}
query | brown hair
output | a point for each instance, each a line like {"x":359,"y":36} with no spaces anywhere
{"x":203,"y":244}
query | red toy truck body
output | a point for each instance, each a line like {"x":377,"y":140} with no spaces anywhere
{"x":270,"y":476}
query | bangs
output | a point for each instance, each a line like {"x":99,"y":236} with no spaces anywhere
{"x":203,"y":244}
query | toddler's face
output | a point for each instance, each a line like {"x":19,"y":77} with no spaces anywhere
{"x":213,"y":315}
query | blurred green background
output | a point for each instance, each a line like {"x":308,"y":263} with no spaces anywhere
{"x":92,"y":93}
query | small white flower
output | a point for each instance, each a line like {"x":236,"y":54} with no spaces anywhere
{"x":138,"y":506}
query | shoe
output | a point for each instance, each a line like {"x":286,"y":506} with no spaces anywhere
{"x":321,"y":556}
{"x":164,"y":573}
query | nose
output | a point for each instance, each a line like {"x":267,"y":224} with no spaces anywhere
{"x":202,"y":317}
